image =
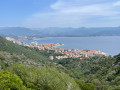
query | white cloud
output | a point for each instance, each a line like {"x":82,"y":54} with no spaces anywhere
{"x":91,"y":10}
{"x":117,"y":3}
{"x":94,"y":9}
{"x":71,"y":13}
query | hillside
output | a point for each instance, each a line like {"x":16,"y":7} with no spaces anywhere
{"x":17,"y":31}
{"x":30,"y":53}
{"x":34,"y":71}
{"x":59,"y":32}
{"x":20,"y":73}
{"x":104,"y":72}
{"x":20,"y":69}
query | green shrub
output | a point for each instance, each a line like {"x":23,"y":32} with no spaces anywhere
{"x":85,"y":86}
{"x":44,"y":78}
{"x":2,"y":57}
{"x":9,"y":81}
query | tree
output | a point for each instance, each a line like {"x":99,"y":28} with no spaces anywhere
{"x":44,"y":78}
{"x":2,"y":57}
{"x":9,"y":81}
{"x":85,"y":86}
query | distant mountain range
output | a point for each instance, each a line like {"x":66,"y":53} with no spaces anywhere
{"x":59,"y":32}
{"x":17,"y":31}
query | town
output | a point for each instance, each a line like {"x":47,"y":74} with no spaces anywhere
{"x":66,"y":53}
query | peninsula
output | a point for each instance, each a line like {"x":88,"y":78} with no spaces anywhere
{"x":66,"y":53}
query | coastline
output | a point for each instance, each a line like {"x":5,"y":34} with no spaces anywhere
{"x":66,"y":37}
{"x":85,"y":43}
{"x":59,"y":46}
{"x":71,"y":37}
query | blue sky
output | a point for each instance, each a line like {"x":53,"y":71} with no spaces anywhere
{"x":60,"y":13}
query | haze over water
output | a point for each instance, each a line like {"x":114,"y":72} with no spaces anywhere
{"x":107,"y":44}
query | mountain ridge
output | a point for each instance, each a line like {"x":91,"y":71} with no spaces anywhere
{"x":60,"y":32}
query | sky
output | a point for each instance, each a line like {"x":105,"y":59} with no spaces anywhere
{"x":59,"y":13}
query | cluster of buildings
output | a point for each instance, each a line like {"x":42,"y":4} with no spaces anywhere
{"x":66,"y":53}
{"x":14,"y":41}
{"x":19,"y":38}
{"x":76,"y":53}
{"x":48,"y":46}
{"x":10,"y":39}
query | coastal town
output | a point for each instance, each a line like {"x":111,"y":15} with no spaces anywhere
{"x":66,"y":53}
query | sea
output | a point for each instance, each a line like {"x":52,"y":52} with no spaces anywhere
{"x":108,"y":44}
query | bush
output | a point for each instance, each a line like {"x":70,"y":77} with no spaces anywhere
{"x":2,"y":57}
{"x":44,"y":79}
{"x":85,"y":86}
{"x":10,"y":81}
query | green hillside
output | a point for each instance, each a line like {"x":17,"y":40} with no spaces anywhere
{"x":24,"y":68}
{"x":30,"y":53}
{"x":20,"y":73}
{"x":104,"y":72}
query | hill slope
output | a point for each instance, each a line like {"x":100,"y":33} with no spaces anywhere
{"x":104,"y":72}
{"x":60,"y":32}
{"x":18,"y":31}
{"x":31,"y":53}
{"x":96,"y":73}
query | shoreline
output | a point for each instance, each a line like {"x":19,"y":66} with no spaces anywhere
{"x":68,"y":37}
{"x":108,"y":51}
{"x":59,"y":46}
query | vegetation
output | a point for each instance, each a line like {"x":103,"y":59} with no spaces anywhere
{"x":23,"y":68}
{"x":30,"y":53}
{"x":9,"y":81}
{"x":44,"y":78}
{"x":103,"y":72}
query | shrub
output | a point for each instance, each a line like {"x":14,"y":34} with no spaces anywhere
{"x":44,"y":78}
{"x":10,"y":81}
